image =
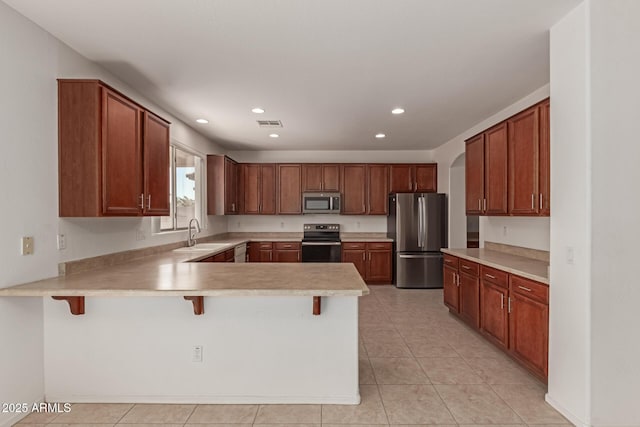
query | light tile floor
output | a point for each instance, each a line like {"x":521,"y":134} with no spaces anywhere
{"x":418,"y":366}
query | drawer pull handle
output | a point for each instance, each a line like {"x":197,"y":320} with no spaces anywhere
{"x":490,"y":276}
{"x":466,"y":267}
{"x":524,"y":289}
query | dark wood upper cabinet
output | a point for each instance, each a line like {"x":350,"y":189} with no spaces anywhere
{"x":156,"y":165}
{"x":544,"y":199}
{"x":320,"y":177}
{"x":113,"y":154}
{"x":508,"y":166}
{"x":495,"y":165}
{"x":354,"y":189}
{"x":257,"y":188}
{"x":474,"y":175}
{"x":289,"y":190}
{"x":378,"y":189}
{"x":222,"y":185}
{"x":402,"y":180}
{"x":524,"y":134}
{"x":414,"y":178}
{"x":426,"y":177}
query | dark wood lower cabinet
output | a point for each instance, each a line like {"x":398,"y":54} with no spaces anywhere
{"x":510,"y":311}
{"x":372,"y":259}
{"x":226,"y":256}
{"x":274,"y":252}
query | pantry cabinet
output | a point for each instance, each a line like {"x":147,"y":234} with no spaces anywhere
{"x":113,"y":153}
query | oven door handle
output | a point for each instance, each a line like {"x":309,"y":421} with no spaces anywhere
{"x":321,"y":243}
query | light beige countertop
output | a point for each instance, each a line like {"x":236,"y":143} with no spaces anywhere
{"x":170,"y":274}
{"x":518,"y":265}
{"x":365,"y":237}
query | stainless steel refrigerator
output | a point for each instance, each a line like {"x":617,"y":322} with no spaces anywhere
{"x":417,"y":223}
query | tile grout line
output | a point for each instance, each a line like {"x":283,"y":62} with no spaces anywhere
{"x":125,"y":414}
{"x":190,"y":415}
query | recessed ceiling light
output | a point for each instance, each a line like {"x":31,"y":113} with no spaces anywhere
{"x":397,"y":111}
{"x":257,"y":110}
{"x":380,"y":135}
{"x":274,"y":135}
{"x":203,"y":121}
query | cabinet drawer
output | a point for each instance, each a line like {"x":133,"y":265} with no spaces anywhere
{"x":497,"y":277}
{"x":451,"y":261}
{"x":353,"y":245}
{"x":379,"y":246}
{"x":287,"y":245}
{"x":530,"y":289}
{"x":468,"y":267}
{"x":265,"y":245}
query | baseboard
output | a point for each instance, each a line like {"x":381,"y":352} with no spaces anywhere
{"x":204,"y":400}
{"x":565,"y":413}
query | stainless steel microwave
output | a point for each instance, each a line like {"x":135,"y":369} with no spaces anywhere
{"x":321,"y":203}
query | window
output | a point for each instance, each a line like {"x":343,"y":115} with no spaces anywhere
{"x":185,"y":190}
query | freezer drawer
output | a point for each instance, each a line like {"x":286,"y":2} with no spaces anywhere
{"x":418,"y":270}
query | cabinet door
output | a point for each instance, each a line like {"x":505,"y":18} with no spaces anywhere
{"x":358,"y":258}
{"x":354,"y":190}
{"x":493,"y":313}
{"x":121,"y":156}
{"x":289,"y":189}
{"x":268,"y":189}
{"x":402,"y":180}
{"x":251,"y":185}
{"x":378,"y":189}
{"x":230,"y":187}
{"x":426,"y":178}
{"x":156,"y":165}
{"x":470,"y":299}
{"x":474,"y":175}
{"x":331,"y":177}
{"x":544,"y":199}
{"x":379,"y":264}
{"x":529,"y":332}
{"x":265,"y":255}
{"x":450,"y":288}
{"x":253,"y":252}
{"x":311,"y":177}
{"x":524,"y":175}
{"x":495,"y":164}
{"x":286,"y":255}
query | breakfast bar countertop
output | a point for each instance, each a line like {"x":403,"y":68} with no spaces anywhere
{"x":521,"y":266}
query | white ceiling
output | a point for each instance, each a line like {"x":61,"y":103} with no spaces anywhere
{"x":331,"y":70}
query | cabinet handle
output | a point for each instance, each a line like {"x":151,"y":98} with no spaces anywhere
{"x":369,"y":256}
{"x":480,"y":205}
{"x":364,"y":256}
{"x":363,"y":207}
{"x":501,"y":301}
{"x":509,"y":305}
{"x":270,"y":256}
{"x":490,"y":276}
{"x":233,"y":207}
{"x":541,"y":202}
{"x":142,"y":201}
{"x":466,"y":267}
{"x":484,"y":205}
{"x":298,"y":255}
{"x":149,"y":202}
{"x":260,"y":207}
{"x":524,"y":289}
{"x":456,"y":279}
{"x":533,"y":201}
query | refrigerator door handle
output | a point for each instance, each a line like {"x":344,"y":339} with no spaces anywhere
{"x":424,"y":220}
{"x":419,"y":223}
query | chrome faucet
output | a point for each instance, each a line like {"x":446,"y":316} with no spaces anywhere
{"x":191,"y":241}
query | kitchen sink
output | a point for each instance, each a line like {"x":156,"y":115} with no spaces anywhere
{"x":202,"y":247}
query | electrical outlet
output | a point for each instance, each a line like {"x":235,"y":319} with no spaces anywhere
{"x":197,"y":353}
{"x":62,"y":242}
{"x":358,"y":224}
{"x":140,"y":234}
{"x":570,"y":255}
{"x":504,"y":230}
{"x":282,"y":225}
{"x":27,"y":246}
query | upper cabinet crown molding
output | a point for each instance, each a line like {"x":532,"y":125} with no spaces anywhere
{"x":113,"y":154}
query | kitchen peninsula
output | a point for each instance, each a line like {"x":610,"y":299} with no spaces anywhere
{"x":256,"y":333}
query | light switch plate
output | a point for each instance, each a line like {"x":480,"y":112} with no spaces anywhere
{"x":27,"y":246}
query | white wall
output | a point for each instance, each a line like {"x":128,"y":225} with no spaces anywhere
{"x":615,"y":203}
{"x":32,"y":60}
{"x":457,"y":217}
{"x":530,"y":232}
{"x":569,"y":321}
{"x":294,"y":223}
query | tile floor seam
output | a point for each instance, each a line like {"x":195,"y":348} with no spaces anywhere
{"x":445,"y":404}
{"x":190,"y":415}
{"x":125,"y":414}
{"x":507,"y":403}
{"x":255,"y":416}
{"x":384,"y":408}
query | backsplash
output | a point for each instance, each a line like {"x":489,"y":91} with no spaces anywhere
{"x":527,"y":232}
{"x":294,"y":223}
